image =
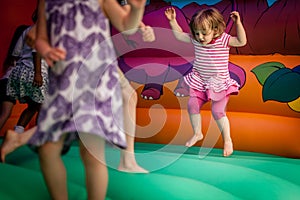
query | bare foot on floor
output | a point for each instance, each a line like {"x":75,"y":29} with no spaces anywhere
{"x":132,"y":169}
{"x":128,"y":163}
{"x":10,"y":143}
{"x":193,"y":140}
{"x":228,"y":149}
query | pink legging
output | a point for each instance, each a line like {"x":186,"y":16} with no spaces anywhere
{"x":217,"y":107}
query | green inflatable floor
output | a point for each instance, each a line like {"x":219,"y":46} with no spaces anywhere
{"x":175,"y":173}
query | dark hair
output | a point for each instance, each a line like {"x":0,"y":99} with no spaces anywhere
{"x":34,"y":16}
{"x":9,"y":58}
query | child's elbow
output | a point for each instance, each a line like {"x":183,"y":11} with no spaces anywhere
{"x":243,"y":43}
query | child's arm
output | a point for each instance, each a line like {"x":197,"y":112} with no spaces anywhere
{"x":30,"y":41}
{"x":30,"y":37}
{"x":241,"y":38}
{"x":38,"y":79}
{"x":170,"y":13}
{"x":146,"y":31}
{"x":42,"y":42}
{"x":122,"y":20}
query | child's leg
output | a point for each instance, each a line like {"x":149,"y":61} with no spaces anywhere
{"x":28,"y":114}
{"x":93,"y":157}
{"x":14,"y":140}
{"x":53,"y":169}
{"x":5,"y":111}
{"x":194,"y":106}
{"x":218,"y":110}
{"x":224,"y":127}
{"x":127,"y":160}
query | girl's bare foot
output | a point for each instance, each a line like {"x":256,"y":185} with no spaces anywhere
{"x":228,"y":148}
{"x":10,"y":143}
{"x":194,"y":139}
{"x":135,"y":168}
{"x":129,"y":164}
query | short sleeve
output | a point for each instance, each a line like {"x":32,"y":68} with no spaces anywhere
{"x":225,"y":39}
{"x":19,"y":46}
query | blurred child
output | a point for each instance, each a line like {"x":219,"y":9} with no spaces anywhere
{"x":128,"y":162}
{"x":27,"y":81}
{"x":7,"y":102}
{"x":84,"y":93}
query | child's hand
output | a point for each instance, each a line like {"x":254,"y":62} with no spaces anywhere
{"x":38,"y":80}
{"x":54,"y":55}
{"x":49,"y":53}
{"x":235,"y":16}
{"x":170,"y":13}
{"x":148,"y":34}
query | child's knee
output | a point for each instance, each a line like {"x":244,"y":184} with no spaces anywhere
{"x":218,"y":114}
{"x":219,"y":107}
{"x":193,"y":106}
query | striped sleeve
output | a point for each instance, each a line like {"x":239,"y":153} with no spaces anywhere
{"x":225,"y":39}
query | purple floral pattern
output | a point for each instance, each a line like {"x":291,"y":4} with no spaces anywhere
{"x":77,"y":48}
{"x":84,"y":91}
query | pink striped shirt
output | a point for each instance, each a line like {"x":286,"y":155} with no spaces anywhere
{"x":210,"y":69}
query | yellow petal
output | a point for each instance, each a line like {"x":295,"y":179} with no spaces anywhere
{"x":295,"y":105}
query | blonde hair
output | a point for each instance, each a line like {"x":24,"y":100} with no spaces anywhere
{"x":208,"y":18}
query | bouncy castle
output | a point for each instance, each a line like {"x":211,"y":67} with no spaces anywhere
{"x":264,"y":117}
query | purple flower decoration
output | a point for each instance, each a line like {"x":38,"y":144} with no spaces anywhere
{"x":61,"y":104}
{"x":74,"y":47}
{"x":104,"y":50}
{"x":90,"y":17}
{"x":113,"y":79}
{"x":105,"y":107}
{"x":83,"y":76}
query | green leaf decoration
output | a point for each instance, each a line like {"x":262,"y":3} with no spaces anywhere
{"x":263,"y":71}
{"x":282,"y":85}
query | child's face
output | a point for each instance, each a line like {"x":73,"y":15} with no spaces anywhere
{"x":204,"y":36}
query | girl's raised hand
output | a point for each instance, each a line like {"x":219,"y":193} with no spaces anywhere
{"x":170,"y":13}
{"x":235,"y":16}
